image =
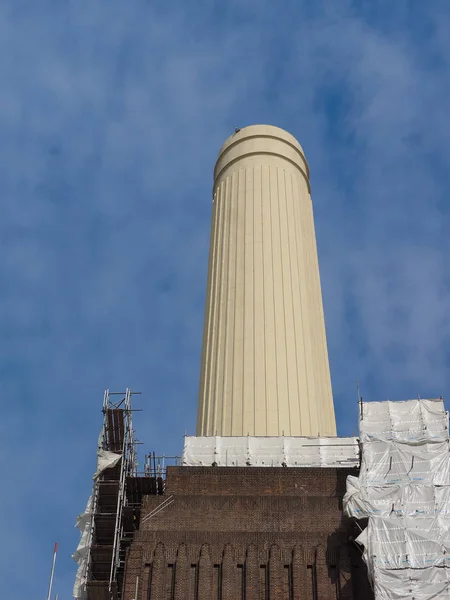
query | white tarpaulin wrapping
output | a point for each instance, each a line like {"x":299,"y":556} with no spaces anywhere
{"x":270,"y":451}
{"x":105,"y":460}
{"x":404,"y":490}
{"x":81,"y":554}
{"x":411,"y":421}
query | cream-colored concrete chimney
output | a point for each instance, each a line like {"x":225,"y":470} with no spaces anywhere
{"x":264,"y":368}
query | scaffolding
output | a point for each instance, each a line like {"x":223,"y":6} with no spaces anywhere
{"x":403,"y":489}
{"x":113,"y":511}
{"x":155,"y":467}
{"x":112,"y":514}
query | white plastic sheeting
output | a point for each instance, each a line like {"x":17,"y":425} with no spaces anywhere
{"x":81,"y":554}
{"x":410,"y":421}
{"x":270,"y":451}
{"x":105,"y":460}
{"x":404,"y":490}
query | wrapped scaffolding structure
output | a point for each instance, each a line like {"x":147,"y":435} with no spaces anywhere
{"x":104,"y":523}
{"x":403,"y":489}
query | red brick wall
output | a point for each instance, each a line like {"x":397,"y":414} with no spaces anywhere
{"x":247,"y":533}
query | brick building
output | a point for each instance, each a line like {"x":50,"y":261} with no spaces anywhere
{"x":246,"y":533}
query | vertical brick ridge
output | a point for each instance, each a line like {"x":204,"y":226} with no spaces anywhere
{"x":252,"y":585}
{"x":345,"y":574}
{"x":310,"y":556}
{"x":158,"y":572}
{"x":205,"y":574}
{"x":181,"y":573}
{"x":229,"y":579}
{"x":326,"y":589}
{"x":300,"y":574}
{"x":133,"y":570}
{"x":144,"y":585}
{"x":332,"y":561}
{"x":275,"y":573}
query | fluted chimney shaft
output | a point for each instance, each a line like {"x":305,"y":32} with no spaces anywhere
{"x":264,"y":369}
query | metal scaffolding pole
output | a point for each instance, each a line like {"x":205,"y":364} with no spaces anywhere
{"x":52,"y":572}
{"x":127,"y":468}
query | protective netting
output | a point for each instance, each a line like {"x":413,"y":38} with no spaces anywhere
{"x":404,"y":490}
{"x":280,"y":451}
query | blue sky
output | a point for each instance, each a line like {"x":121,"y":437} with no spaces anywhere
{"x":111,"y":117}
